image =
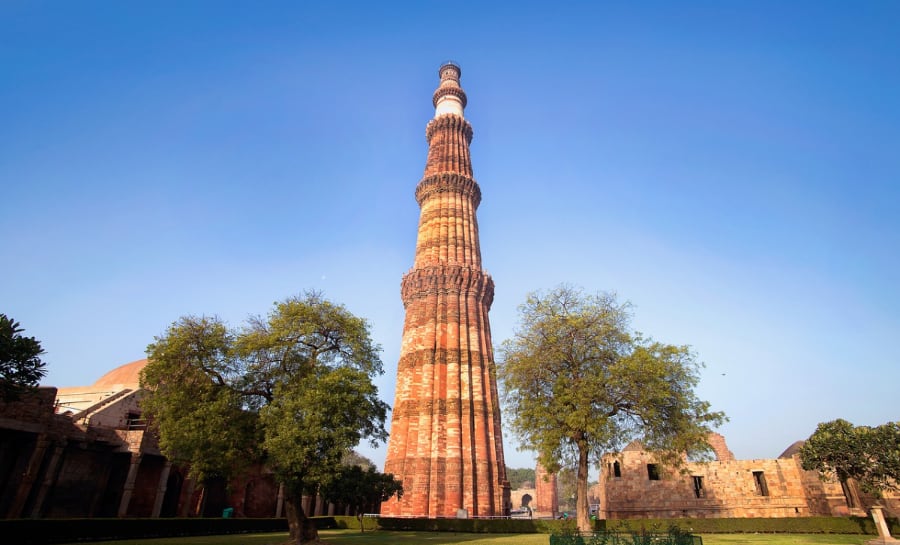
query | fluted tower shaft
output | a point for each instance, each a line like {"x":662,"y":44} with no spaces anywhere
{"x":446,"y":444}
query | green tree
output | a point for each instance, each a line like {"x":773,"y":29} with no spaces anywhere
{"x":292,"y":390}
{"x":21,"y":368}
{"x":579,"y":382}
{"x":517,"y":476}
{"x":566,"y":489}
{"x":361,"y":488}
{"x":869,"y":456}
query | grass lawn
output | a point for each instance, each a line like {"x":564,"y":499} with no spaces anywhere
{"x":354,"y":537}
{"x":785,"y":539}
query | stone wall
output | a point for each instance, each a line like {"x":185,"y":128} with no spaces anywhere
{"x":633,"y":485}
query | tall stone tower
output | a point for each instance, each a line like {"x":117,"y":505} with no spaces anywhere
{"x":446,"y":444}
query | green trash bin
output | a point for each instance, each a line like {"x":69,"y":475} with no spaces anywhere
{"x":227,"y":512}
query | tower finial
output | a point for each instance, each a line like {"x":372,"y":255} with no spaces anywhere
{"x":449,"y":98}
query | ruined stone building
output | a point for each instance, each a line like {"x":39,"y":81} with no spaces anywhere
{"x":633,"y":485}
{"x":546,"y":493}
{"x":541,"y":497}
{"x":85,"y":452}
{"x":445,"y":443}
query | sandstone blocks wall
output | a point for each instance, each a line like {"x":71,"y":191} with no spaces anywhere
{"x":633,"y":485}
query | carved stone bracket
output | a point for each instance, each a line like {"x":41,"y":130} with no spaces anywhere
{"x":447,"y":279}
{"x":444,"y":91}
{"x":450,"y":122}
{"x":448,"y":182}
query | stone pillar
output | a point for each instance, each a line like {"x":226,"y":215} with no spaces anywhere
{"x":187,"y":494}
{"x":546,"y":499}
{"x":28,"y":478}
{"x":319,"y":506}
{"x":49,"y":479}
{"x":128,"y":489}
{"x":884,"y":534}
{"x":161,"y":489}
{"x":279,"y":502}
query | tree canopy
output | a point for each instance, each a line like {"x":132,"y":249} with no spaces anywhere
{"x":361,"y":488}
{"x":579,"y":382}
{"x":518,"y":476}
{"x":21,"y":368}
{"x":293,"y":390}
{"x":870,"y":456}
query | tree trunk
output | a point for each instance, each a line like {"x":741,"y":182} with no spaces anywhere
{"x":581,"y":479}
{"x":302,"y":528}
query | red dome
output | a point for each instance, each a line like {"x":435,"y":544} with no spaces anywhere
{"x":129,"y":373}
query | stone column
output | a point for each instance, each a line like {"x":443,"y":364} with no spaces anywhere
{"x":279,"y":502}
{"x":884,"y":534}
{"x":49,"y":479}
{"x":28,"y":478}
{"x":319,"y":506}
{"x":161,"y":489}
{"x":187,"y":494}
{"x":128,"y":489}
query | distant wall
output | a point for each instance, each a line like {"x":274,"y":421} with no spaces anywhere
{"x":633,"y":485}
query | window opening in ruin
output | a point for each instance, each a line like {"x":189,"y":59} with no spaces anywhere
{"x":760,"y":479}
{"x":134,"y":422}
{"x":653,"y":472}
{"x":698,"y":486}
{"x":617,"y":469}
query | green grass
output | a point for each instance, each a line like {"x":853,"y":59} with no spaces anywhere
{"x":785,"y":539}
{"x":354,"y":537}
{"x":348,"y":537}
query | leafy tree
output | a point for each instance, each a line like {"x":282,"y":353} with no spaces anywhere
{"x":566,"y":489}
{"x":866,"y":455}
{"x":579,"y":382}
{"x":517,"y":476}
{"x":21,"y":367}
{"x":292,"y":390}
{"x":362,"y":489}
{"x":353,"y":458}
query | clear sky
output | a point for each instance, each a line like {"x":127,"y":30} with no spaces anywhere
{"x":731,"y":168}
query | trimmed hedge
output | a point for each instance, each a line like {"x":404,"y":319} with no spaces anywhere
{"x":478,"y":526}
{"x":790,"y":525}
{"x":342,"y":522}
{"x":49,"y":531}
{"x":793,"y":525}
{"x":46,"y":531}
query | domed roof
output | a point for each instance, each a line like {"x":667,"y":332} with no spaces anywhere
{"x":128,"y":374}
{"x":793,"y":449}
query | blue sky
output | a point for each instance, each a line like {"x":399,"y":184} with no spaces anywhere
{"x":731,"y":168}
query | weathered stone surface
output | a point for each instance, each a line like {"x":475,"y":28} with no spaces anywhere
{"x":725,"y":487}
{"x":546,"y":497}
{"x":446,"y":444}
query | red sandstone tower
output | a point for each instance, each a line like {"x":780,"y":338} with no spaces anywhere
{"x":446,"y":444}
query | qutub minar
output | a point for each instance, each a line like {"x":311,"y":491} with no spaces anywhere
{"x":446,"y":444}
